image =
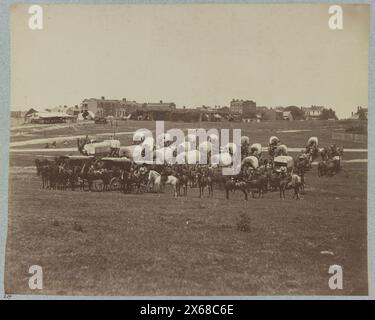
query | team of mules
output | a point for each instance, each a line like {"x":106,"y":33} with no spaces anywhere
{"x":257,"y":175}
{"x":57,"y":174}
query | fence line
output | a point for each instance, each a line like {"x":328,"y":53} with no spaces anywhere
{"x":349,"y":136}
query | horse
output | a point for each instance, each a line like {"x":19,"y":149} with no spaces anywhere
{"x":67,"y":175}
{"x":166,"y":179}
{"x":322,"y":168}
{"x":183,"y":182}
{"x":154,"y":180}
{"x":38,"y":165}
{"x":312,"y":151}
{"x":300,"y":169}
{"x":52,"y":173}
{"x":332,"y":166}
{"x":74,"y":177}
{"x":273,"y":180}
{"x":283,"y":183}
{"x":101,"y":174}
{"x":138,"y":178}
{"x":43,"y":169}
{"x":125,"y":180}
{"x":90,"y":174}
{"x":63,"y":177}
{"x":258,"y":182}
{"x":133,"y":178}
{"x":217,"y":177}
{"x":324,"y":153}
{"x":233,"y":184}
{"x":296,"y":183}
{"x":328,"y":167}
{"x":272,"y":149}
{"x":204,"y":180}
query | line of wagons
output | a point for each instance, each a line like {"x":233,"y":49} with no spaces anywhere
{"x":114,"y":167}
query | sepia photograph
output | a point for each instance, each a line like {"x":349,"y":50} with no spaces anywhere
{"x":188,"y":150}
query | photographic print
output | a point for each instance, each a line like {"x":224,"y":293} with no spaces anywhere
{"x":188,"y":150}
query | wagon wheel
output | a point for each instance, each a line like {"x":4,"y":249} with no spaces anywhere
{"x":85,"y":185}
{"x":143,"y":187}
{"x":98,"y":185}
{"x":115,"y":184}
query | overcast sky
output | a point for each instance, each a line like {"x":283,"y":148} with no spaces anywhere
{"x":193,"y":55}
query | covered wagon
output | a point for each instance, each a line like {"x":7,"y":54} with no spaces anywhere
{"x":104,"y":148}
{"x":251,"y":161}
{"x":256,"y":150}
{"x":114,"y":167}
{"x":223,"y":159}
{"x":283,"y":162}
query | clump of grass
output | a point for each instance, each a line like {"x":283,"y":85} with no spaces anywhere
{"x":55,"y":223}
{"x":243,"y":223}
{"x":201,"y":206}
{"x":77,"y":227}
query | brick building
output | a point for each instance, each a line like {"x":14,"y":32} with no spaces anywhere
{"x":122,"y":108}
{"x":247,"y":108}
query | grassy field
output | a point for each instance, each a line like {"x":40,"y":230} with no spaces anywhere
{"x":110,"y":243}
{"x":152,"y":244}
{"x":291,"y":133}
{"x":258,"y":132}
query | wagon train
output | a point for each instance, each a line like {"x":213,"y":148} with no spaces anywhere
{"x":108,"y":166}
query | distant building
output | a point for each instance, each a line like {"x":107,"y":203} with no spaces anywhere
{"x":89,"y":105}
{"x":157,"y":110}
{"x":247,"y":108}
{"x":313,"y":112}
{"x":269,"y":114}
{"x":224,"y":110}
{"x":287,"y":115}
{"x":101,"y":107}
{"x":49,"y":117}
{"x":109,"y":107}
{"x":17,"y":114}
{"x":28,"y":114}
{"x":159,"y":106}
{"x":360,"y":114}
{"x":59,"y":109}
{"x":127,"y":107}
{"x":73,"y":111}
{"x":261,"y":109}
{"x":279,"y":115}
{"x":96,"y":106}
{"x":122,"y":108}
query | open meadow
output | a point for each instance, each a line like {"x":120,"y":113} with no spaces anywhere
{"x":109,"y":243}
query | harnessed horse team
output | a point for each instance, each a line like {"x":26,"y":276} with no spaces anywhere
{"x":257,"y":175}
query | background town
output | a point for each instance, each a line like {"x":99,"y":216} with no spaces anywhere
{"x":103,"y":109}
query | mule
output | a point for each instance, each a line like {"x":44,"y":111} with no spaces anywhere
{"x":296,"y":183}
{"x":283,"y":183}
{"x":257,"y":183}
{"x":203,"y":181}
{"x":232,"y":185}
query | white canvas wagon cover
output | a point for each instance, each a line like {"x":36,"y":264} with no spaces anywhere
{"x":118,"y":160}
{"x":77,"y":157}
{"x":284,"y":161}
